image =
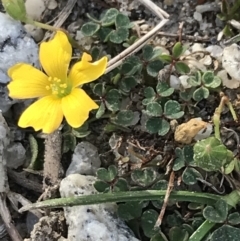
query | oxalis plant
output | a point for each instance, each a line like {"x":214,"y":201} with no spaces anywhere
{"x":143,"y":192}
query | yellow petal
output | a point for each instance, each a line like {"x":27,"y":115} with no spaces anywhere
{"x":85,"y":72}
{"x":27,"y":82}
{"x":76,"y":107}
{"x":45,"y":113}
{"x":55,"y":56}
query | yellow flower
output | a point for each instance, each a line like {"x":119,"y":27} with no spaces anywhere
{"x":58,"y":89}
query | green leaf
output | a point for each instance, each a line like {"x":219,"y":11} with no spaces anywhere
{"x":154,"y":67}
{"x":200,"y":93}
{"x":210,"y":80}
{"x":182,"y":68}
{"x":166,"y":58}
{"x":217,"y":213}
{"x":34,"y":152}
{"x":178,"y":234}
{"x":177,"y":50}
{"x":154,"y":109}
{"x":149,"y":92}
{"x":144,"y":177}
{"x":183,"y":156}
{"x":129,"y":68}
{"x":148,"y":221}
{"x":129,"y":210}
{"x":172,"y":110}
{"x":147,"y":52}
{"x":101,"y":186}
{"x":186,"y":95}
{"x":89,"y":29}
{"x":159,"y":237}
{"x":127,"y":83}
{"x":109,"y":17}
{"x":226,"y":233}
{"x":210,"y":154}
{"x":119,"y":35}
{"x":113,"y":100}
{"x":122,"y":21}
{"x":107,"y":175}
{"x":234,"y":218}
{"x":69,"y":142}
{"x":121,"y":185}
{"x":81,"y":131}
{"x":101,"y":110}
{"x":190,"y":176}
{"x":104,"y":34}
{"x":99,"y":89}
{"x":164,"y":90}
{"x":157,"y":125}
{"x":124,"y":117}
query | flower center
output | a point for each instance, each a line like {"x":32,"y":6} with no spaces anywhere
{"x":58,"y":87}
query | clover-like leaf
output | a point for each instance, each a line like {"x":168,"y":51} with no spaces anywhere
{"x":129,"y":68}
{"x":129,"y":210}
{"x":154,"y":67}
{"x":190,"y":176}
{"x":179,"y":234}
{"x":124,"y":117}
{"x":148,"y":221}
{"x":127,"y":83}
{"x":164,"y":90}
{"x":144,"y":177}
{"x":112,"y":99}
{"x":234,"y":218}
{"x":109,"y":17}
{"x":159,"y":237}
{"x":99,"y":89}
{"x":104,"y":34}
{"x":200,"y":93}
{"x":183,"y":156}
{"x":182,"y":68}
{"x":172,"y":110}
{"x":210,"y":154}
{"x":107,"y":175}
{"x":195,"y":80}
{"x":101,"y":110}
{"x":177,"y":50}
{"x":187,"y":94}
{"x":147,"y":52}
{"x":149,"y":92}
{"x":121,"y":185}
{"x":122,"y":20}
{"x":157,"y":125}
{"x":81,"y":131}
{"x":166,"y":58}
{"x":119,"y":35}
{"x":101,"y":186}
{"x":217,"y":213}
{"x":69,"y":142}
{"x":225,"y":233}
{"x":154,"y":109}
{"x":210,"y":80}
{"x":90,"y":28}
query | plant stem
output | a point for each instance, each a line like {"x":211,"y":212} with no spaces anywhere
{"x":204,"y":228}
{"x":203,"y":198}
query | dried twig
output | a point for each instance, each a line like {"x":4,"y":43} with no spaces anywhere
{"x":63,"y":15}
{"x":155,"y":9}
{"x":165,"y":202}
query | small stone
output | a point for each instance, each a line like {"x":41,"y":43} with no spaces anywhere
{"x":175,"y":82}
{"x":85,"y":160}
{"x":197,"y":16}
{"x":187,"y":131}
{"x":230,"y":61}
{"x":230,"y":83}
{"x":16,"y":155}
{"x":91,"y":222}
{"x":36,"y":33}
{"x":15,"y":45}
{"x":35,"y":8}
